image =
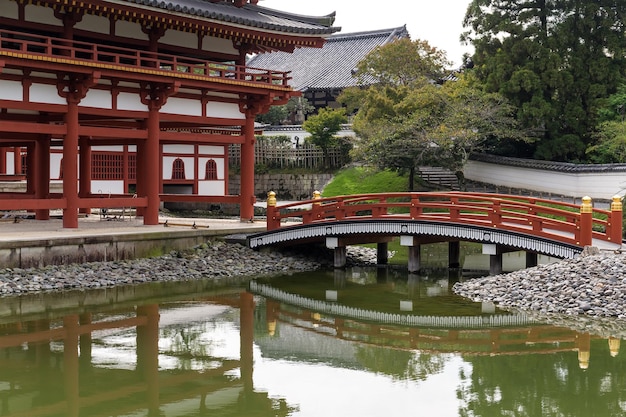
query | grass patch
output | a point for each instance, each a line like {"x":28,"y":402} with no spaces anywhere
{"x":365,"y":180}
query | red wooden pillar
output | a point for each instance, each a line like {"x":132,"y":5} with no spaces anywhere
{"x":616,"y":220}
{"x":140,"y":179}
{"x":42,"y":176}
{"x":3,"y":160}
{"x":84,"y":177}
{"x":17,"y":160}
{"x":586,"y":222}
{"x":70,"y":365}
{"x":246,"y":341}
{"x":148,"y":354}
{"x":246,"y":197}
{"x":70,"y":165}
{"x":149,"y":171}
{"x":31,"y":168}
{"x":151,"y":162}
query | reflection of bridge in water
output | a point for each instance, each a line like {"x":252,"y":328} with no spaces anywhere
{"x":502,"y":223}
{"x":49,"y":347}
{"x":487,"y":334}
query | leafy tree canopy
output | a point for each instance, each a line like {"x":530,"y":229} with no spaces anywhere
{"x":554,"y":60}
{"x":323,"y":126}
{"x":406,"y":120}
{"x":402,"y":62}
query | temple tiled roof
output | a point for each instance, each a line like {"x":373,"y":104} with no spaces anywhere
{"x":332,"y":66}
{"x":250,"y":15}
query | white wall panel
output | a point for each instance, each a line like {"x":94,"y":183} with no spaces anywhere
{"x":11,"y":90}
{"x":129,"y":101}
{"x":595,"y":185}
{"x":210,"y":150}
{"x":97,"y":98}
{"x":226,"y":110}
{"x":44,"y":93}
{"x":94,"y":23}
{"x":40,"y":15}
{"x":178,"y":149}
{"x":211,"y":188}
{"x":110,"y":148}
{"x":55,"y":165}
{"x":220,"y":45}
{"x":182,"y":106}
{"x":105,"y":188}
{"x":178,"y":38}
{"x":129,"y":30}
{"x":9,"y":9}
{"x":10,"y":164}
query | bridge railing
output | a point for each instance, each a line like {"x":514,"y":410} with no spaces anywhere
{"x":560,"y":221}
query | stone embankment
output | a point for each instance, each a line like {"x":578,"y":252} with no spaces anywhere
{"x":591,"y":285}
{"x":213,"y":260}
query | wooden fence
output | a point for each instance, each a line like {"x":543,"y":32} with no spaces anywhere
{"x":306,"y":156}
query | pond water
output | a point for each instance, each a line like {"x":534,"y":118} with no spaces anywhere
{"x":359,"y":342}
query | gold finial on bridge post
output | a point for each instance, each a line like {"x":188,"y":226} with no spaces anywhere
{"x":272,"y":214}
{"x":616,"y":221}
{"x":616,"y":203}
{"x":271,"y":199}
{"x":586,"y":206}
{"x":316,"y":196}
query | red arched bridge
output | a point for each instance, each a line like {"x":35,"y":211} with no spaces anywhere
{"x":501,"y":222}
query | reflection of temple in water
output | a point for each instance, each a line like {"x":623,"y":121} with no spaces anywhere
{"x":122,"y":346}
{"x":114,"y":354}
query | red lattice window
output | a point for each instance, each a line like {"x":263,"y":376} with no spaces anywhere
{"x":178,"y":169}
{"x":211,"y":170}
{"x":132,"y":166}
{"x":24,"y":164}
{"x":107,"y":166}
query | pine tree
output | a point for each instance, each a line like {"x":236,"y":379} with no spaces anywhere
{"x":554,"y":60}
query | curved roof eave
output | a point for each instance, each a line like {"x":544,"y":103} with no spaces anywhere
{"x":251,"y":16}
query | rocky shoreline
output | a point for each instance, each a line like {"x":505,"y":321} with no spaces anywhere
{"x":590,"y":285}
{"x":213,"y":260}
{"x":586,"y":294}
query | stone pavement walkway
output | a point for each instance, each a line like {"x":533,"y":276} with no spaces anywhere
{"x":20,"y":229}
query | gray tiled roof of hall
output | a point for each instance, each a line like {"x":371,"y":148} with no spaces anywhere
{"x":250,"y":15}
{"x":333,"y":65}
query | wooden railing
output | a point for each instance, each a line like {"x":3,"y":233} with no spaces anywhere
{"x":31,"y":45}
{"x":563,"y":222}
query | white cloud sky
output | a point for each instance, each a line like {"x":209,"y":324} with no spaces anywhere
{"x":438,"y":22}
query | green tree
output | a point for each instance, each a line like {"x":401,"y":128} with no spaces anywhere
{"x":323,"y":126}
{"x":294,"y":111}
{"x":610,"y":145}
{"x":405,"y":120}
{"x":401,"y":63}
{"x":554,"y":61}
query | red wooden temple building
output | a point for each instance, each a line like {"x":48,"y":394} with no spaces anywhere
{"x":136,"y":100}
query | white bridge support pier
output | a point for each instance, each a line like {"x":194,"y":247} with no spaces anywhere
{"x":495,"y":253}
{"x":413,"y":244}
{"x":340,"y":251}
